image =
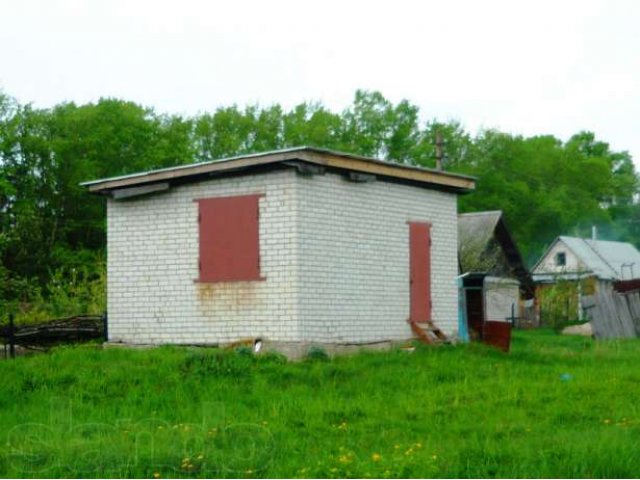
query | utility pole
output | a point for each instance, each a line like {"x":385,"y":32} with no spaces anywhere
{"x":439,"y":151}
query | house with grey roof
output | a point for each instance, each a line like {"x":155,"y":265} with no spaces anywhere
{"x":572,"y":258}
{"x":576,"y":279}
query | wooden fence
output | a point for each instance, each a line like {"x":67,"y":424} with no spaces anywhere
{"x":44,"y":335}
{"x":613,"y":314}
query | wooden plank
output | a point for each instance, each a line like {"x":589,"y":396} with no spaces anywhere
{"x":125,"y":193}
{"x":597,"y":317}
{"x":314,"y":156}
{"x":187,"y":170}
{"x":58,"y":331}
{"x":626,"y":322}
{"x":634,"y":305}
{"x":389,"y":170}
{"x":617,"y":329}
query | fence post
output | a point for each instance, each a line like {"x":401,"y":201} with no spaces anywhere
{"x":105,"y":325}
{"x":12,"y":338}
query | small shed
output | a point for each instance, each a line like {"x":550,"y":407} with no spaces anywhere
{"x":295,"y":247}
{"x":497,"y":285}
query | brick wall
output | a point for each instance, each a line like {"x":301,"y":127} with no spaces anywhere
{"x":354,"y":258}
{"x":334,"y":253}
{"x":153,"y":262}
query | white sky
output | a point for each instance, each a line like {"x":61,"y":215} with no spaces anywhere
{"x":530,"y":67}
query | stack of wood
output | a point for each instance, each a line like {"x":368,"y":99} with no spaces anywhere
{"x":64,"y":330}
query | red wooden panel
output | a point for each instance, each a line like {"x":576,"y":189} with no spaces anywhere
{"x":420,"y":271}
{"x":229,"y":238}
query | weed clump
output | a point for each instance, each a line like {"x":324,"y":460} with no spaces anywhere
{"x":272,"y":358}
{"x":317,"y":354}
{"x":237,"y":363}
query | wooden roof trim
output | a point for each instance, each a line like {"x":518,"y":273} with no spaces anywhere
{"x":388,"y":170}
{"x":318,"y":157}
{"x":187,"y":171}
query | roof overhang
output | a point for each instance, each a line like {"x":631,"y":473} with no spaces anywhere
{"x":553,"y":277}
{"x":328,"y":159}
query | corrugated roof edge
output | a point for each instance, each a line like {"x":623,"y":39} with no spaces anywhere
{"x":467,"y":183}
{"x":568,"y":241}
{"x":485,"y":212}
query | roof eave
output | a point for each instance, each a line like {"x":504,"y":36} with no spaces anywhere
{"x":327,"y":158}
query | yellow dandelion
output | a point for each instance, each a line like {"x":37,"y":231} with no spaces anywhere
{"x":409,"y":452}
{"x":397,"y":447}
{"x":156,"y":474}
{"x":418,"y":445}
{"x":607,"y":421}
{"x":248,"y":472}
{"x":200,"y":457}
{"x":434,"y":457}
{"x":376,"y":457}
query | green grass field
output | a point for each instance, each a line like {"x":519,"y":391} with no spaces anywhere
{"x":554,"y":407}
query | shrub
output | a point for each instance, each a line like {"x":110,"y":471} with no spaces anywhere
{"x":317,"y":354}
{"x":70,"y":291}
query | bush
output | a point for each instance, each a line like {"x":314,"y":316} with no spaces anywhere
{"x":317,"y":354}
{"x":559,"y":304}
{"x":70,"y":291}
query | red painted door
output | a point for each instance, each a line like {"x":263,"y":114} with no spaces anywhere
{"x":420,"y":271}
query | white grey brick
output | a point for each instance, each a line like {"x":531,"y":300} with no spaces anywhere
{"x":334,"y":254}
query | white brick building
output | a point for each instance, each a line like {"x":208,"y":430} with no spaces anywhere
{"x":297,"y":246}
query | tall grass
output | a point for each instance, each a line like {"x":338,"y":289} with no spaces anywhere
{"x":554,"y":407}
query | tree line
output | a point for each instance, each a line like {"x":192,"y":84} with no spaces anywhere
{"x":50,"y":228}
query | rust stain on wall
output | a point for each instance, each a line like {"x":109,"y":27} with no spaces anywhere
{"x":227,"y":297}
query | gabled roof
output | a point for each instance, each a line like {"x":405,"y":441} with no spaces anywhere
{"x":477,"y":226}
{"x":478,"y":229}
{"x":605,"y":259}
{"x":290,"y":157}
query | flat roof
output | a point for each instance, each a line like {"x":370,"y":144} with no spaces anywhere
{"x":311,"y":155}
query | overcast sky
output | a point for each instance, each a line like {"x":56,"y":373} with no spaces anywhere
{"x":529,"y":67}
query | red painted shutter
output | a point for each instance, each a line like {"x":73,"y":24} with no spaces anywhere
{"x":229,"y":238}
{"x":420,"y":271}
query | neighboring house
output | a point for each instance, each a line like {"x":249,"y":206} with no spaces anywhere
{"x":582,"y":267}
{"x":495,"y":279}
{"x":571,"y":258}
{"x":294,"y":247}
